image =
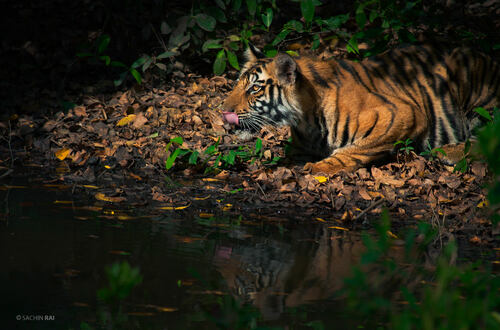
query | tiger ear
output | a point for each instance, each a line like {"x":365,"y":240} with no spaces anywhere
{"x":286,"y":68}
{"x":253,"y":53}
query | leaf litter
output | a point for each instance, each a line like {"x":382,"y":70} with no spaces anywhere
{"x":112,"y":146}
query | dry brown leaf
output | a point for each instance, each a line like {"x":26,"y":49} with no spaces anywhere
{"x":364,"y":194}
{"x":288,"y":187}
{"x":139,"y":121}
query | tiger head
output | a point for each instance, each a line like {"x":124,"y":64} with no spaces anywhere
{"x":266,"y":93}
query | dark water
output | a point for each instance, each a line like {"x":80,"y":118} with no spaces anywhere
{"x":197,"y":272}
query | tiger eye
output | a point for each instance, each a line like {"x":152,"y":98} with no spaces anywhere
{"x":256,"y":88}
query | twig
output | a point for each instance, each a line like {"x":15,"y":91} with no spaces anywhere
{"x":9,"y":141}
{"x":372,"y":206}
{"x":262,"y":190}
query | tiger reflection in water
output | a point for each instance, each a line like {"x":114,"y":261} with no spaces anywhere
{"x":274,"y":275}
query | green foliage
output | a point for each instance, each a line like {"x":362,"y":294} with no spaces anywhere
{"x":488,"y":146}
{"x":400,"y":293}
{"x":213,"y":159}
{"x":432,"y":153}
{"x":404,"y":146}
{"x":95,"y":53}
{"x":121,"y":280}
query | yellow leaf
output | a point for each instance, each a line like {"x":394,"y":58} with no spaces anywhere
{"x":167,"y":309}
{"x":482,"y":204}
{"x":201,"y":198}
{"x":210,"y":180}
{"x":171,"y":208}
{"x":321,"y":178}
{"x":126,"y":120}
{"x":339,"y":228}
{"x":391,"y":234}
{"x":126,"y":217}
{"x":319,"y":219}
{"x":63,"y":202}
{"x":62,"y":153}
{"x":102,"y":197}
{"x":227,"y":207}
{"x":205,"y":215}
{"x":107,"y":166}
{"x":90,"y":186}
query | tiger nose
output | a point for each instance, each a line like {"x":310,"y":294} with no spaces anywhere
{"x":230,"y":117}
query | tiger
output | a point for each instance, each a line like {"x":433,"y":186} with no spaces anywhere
{"x":345,"y":114}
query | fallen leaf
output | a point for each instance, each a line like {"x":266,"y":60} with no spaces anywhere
{"x":339,"y":228}
{"x":62,"y":153}
{"x":139,"y":120}
{"x":321,"y":178}
{"x":102,"y":197}
{"x":126,"y":120}
{"x":174,"y":207}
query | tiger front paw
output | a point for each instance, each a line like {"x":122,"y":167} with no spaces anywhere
{"x":320,"y":167}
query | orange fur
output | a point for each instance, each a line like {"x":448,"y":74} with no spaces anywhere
{"x":349,"y":114}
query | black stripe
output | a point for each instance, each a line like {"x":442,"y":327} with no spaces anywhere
{"x":345,"y":135}
{"x":317,"y":78}
{"x":373,"y":126}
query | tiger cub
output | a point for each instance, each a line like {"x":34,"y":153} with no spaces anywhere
{"x":348,"y":114}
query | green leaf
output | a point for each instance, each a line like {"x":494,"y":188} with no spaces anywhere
{"x":147,"y":64}
{"x":220,"y":62}
{"x":118,"y":64}
{"x":252,"y":7}
{"x":232,"y":59}
{"x":103,"y":43}
{"x":292,"y":53}
{"x":373,"y":16}
{"x":178,"y":140}
{"x":120,"y":80}
{"x":206,"y":22}
{"x":352,"y":46}
{"x":152,"y":136}
{"x":360,"y":17}
{"x":193,"y":158}
{"x":483,"y":113}
{"x":84,"y":54}
{"x":316,"y":42}
{"x":211,"y":44}
{"x":231,"y":157}
{"x":307,"y":9}
{"x":221,"y":4}
{"x":140,"y":61}
{"x":258,"y":146}
{"x":165,"y":55}
{"x":280,"y":37}
{"x":234,"y":37}
{"x":136,"y":75}
{"x":106,"y":59}
{"x":461,"y":166}
{"x":165,"y":28}
{"x":171,"y":159}
{"x":236,"y":5}
{"x":161,"y":66}
{"x":336,"y":21}
{"x":210,"y":150}
{"x":268,"y":17}
{"x":294,"y":25}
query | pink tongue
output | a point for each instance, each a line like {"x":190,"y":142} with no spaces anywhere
{"x":231,"y":118}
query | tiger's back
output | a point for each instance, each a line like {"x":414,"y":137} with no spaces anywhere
{"x":351,"y":113}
